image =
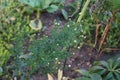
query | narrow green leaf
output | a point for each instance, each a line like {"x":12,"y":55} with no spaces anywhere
{"x":104,"y":63}
{"x":1,"y":70}
{"x":98,"y":69}
{"x":65,"y":14}
{"x":117,"y":75}
{"x":109,"y":76}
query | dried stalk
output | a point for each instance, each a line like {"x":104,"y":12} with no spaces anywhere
{"x":96,"y":33}
{"x":105,"y":32}
{"x":109,"y":49}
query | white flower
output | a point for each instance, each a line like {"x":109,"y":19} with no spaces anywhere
{"x":69,"y":19}
{"x":69,"y":65}
{"x":84,"y":37}
{"x":75,"y":41}
{"x":73,"y":53}
{"x":68,"y":25}
{"x":80,"y":25}
{"x":58,"y":24}
{"x":58,"y":62}
{"x":56,"y":58}
{"x":75,"y":29}
{"x":78,"y":47}
{"x":55,"y":23}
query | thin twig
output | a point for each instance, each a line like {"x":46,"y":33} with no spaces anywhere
{"x":105,"y":32}
{"x":108,"y":49}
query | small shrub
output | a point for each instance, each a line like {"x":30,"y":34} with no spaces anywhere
{"x":47,"y":51}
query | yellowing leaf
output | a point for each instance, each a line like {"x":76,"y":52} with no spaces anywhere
{"x":36,"y":24}
{"x":60,"y":74}
{"x":50,"y":77}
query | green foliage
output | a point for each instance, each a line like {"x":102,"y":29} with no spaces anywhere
{"x":88,"y":76}
{"x":103,"y":70}
{"x":65,"y":14}
{"x":1,"y":71}
{"x":109,"y":70}
{"x":21,"y":54}
{"x":42,"y":4}
{"x":101,"y":15}
{"x":14,"y":31}
{"x":115,"y":4}
{"x":46,"y":50}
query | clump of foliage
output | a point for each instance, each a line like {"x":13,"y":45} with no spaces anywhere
{"x":42,"y":53}
{"x":40,"y":6}
{"x":14,"y":31}
{"x":46,"y":50}
{"x":49,"y":5}
{"x":103,"y":70}
{"x":102,"y":25}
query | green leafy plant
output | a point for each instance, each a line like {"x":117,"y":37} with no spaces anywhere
{"x":102,"y":26}
{"x":88,"y":76}
{"x":102,"y":70}
{"x":47,"y":51}
{"x":14,"y":31}
{"x":109,"y":70}
{"x":49,"y":5}
{"x":115,"y":4}
{"x":40,"y":6}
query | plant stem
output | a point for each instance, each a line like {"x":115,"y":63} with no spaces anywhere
{"x":83,"y":11}
{"x":38,"y":13}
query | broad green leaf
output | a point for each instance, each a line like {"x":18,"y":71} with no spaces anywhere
{"x":65,"y":14}
{"x":83,"y":72}
{"x":52,"y":8}
{"x":47,"y":3}
{"x":95,"y":76}
{"x":41,"y":4}
{"x":36,"y":24}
